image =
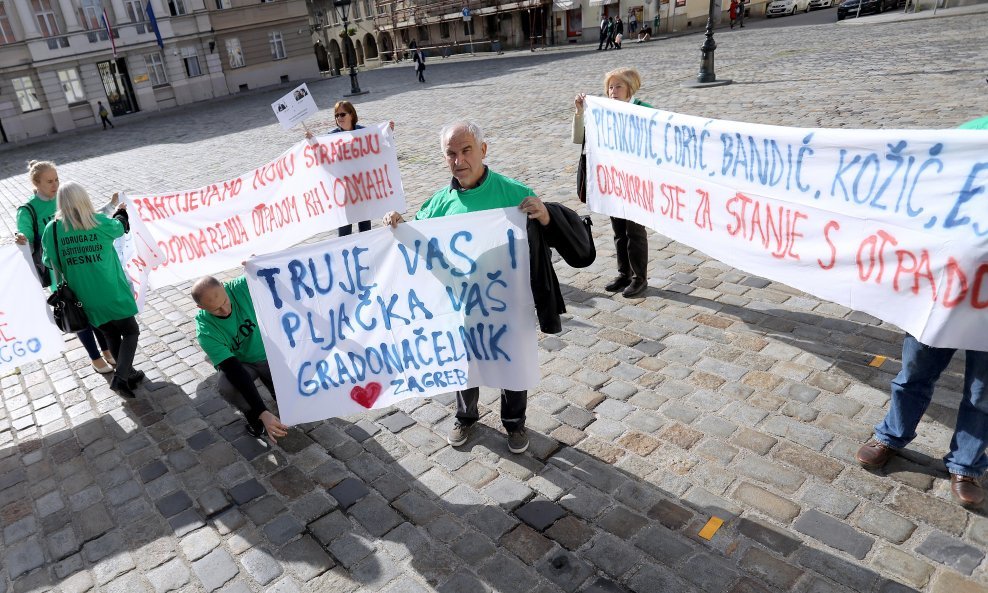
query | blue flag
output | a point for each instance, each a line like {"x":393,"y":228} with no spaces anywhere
{"x":154,"y":24}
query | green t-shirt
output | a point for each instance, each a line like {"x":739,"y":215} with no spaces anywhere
{"x":89,"y":263}
{"x":495,"y":191}
{"x":975,"y":124}
{"x":43,"y":209}
{"x":236,"y":335}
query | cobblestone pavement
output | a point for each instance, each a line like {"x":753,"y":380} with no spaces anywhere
{"x":719,"y":395}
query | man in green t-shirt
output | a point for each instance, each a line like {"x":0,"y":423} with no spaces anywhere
{"x":473,"y":188}
{"x":226,"y":327}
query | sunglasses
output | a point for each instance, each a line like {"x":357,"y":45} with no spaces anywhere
{"x":343,"y":114}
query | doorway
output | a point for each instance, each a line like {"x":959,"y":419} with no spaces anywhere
{"x":116,"y":84}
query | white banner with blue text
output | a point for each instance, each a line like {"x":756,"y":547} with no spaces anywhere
{"x":890,"y":222}
{"x":27,"y":331}
{"x":365,"y":321}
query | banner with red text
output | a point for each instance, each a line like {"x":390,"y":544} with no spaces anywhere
{"x":316,"y":186}
{"x":27,"y":331}
{"x":365,"y":321}
{"x":890,"y":222}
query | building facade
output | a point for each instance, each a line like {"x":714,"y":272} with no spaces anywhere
{"x":59,"y":59}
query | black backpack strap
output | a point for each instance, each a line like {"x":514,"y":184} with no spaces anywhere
{"x":58,"y":255}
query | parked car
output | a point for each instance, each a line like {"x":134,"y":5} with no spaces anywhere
{"x":850,"y":7}
{"x":784,"y":7}
{"x":821,"y":4}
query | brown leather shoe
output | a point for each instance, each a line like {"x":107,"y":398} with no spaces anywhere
{"x":967,"y":490}
{"x":874,"y":454}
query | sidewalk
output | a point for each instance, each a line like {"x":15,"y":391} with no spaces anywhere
{"x":926,"y":12}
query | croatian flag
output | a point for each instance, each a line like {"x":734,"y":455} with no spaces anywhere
{"x":109,"y":32}
{"x":149,"y":10}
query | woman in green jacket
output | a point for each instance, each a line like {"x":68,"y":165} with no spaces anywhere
{"x":32,"y":217}
{"x":86,"y":259}
{"x":630,"y":238}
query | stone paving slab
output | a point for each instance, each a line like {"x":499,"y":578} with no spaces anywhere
{"x":719,"y":394}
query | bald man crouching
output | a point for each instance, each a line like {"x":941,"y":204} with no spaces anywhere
{"x":226,"y":327}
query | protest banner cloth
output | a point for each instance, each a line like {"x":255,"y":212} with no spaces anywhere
{"x":295,"y":107}
{"x":364,"y":321}
{"x":890,"y":222}
{"x":27,"y":331}
{"x":317,"y":185}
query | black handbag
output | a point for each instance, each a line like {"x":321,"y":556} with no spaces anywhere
{"x":581,"y":175}
{"x":69,"y":315}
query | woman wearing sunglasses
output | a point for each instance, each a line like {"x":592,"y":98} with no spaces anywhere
{"x":346,"y":121}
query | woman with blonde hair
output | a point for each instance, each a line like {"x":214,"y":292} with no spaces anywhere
{"x":32,"y":217}
{"x":78,"y":246}
{"x":630,"y":238}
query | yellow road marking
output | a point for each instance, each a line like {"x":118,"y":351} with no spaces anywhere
{"x":877,"y":361}
{"x":711,"y":527}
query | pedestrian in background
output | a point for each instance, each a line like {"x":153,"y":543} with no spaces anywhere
{"x":610,"y":33}
{"x":603,"y":32}
{"x":630,"y":238}
{"x":104,"y":115}
{"x":87,"y":261}
{"x":734,"y":12}
{"x":419,"y":58}
{"x":32,"y":218}
{"x":741,"y":13}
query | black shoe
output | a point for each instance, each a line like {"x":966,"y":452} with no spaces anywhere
{"x":636,"y":288}
{"x":135,"y":379}
{"x":255,"y":430}
{"x":122,"y":388}
{"x":617,"y":284}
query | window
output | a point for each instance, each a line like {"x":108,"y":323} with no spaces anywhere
{"x":444,"y":29}
{"x":221,"y":4}
{"x":368,"y":11}
{"x":24,"y":89}
{"x":177,"y":7}
{"x":136,"y":14}
{"x":6,"y":33}
{"x":336,"y":16}
{"x":468,"y":28}
{"x":156,"y":69}
{"x":355,"y":11}
{"x":423,"y":33}
{"x":191,"y":60}
{"x":46,"y":17}
{"x":71,"y":85}
{"x":235,"y":53}
{"x":381,"y":10}
{"x":277,"y":45}
{"x":91,"y":11}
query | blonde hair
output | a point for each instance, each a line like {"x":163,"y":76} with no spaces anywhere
{"x":36,"y":168}
{"x":629,"y":76}
{"x":348,"y":107}
{"x":75,"y":209}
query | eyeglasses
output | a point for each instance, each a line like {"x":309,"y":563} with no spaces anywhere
{"x":342,"y":114}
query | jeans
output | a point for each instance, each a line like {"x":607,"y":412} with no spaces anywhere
{"x":90,"y":338}
{"x":347,"y":229}
{"x":121,"y":335}
{"x":513,"y":404}
{"x":912,"y":391}
{"x":631,"y":245}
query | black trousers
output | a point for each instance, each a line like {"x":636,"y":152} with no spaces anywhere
{"x":347,"y":229}
{"x":513,"y":404}
{"x":603,"y":38}
{"x":121,"y":337}
{"x":631,"y":245}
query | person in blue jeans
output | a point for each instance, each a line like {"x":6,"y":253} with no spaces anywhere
{"x":912,"y":391}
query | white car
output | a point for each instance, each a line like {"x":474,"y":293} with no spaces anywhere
{"x":821,"y":4}
{"x":784,"y":7}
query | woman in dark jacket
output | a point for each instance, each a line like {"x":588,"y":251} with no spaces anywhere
{"x":630,"y":238}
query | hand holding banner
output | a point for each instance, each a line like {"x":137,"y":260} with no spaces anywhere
{"x":890,"y":222}
{"x":370,"y":319}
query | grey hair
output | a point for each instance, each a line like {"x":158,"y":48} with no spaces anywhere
{"x":75,"y":209}
{"x":475,"y":130}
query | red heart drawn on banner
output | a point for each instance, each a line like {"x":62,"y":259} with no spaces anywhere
{"x":366,"y":396}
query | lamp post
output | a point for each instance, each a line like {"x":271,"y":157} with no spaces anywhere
{"x":706,"y":77}
{"x":343,"y":6}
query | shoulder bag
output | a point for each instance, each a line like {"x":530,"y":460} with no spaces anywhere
{"x":69,"y":315}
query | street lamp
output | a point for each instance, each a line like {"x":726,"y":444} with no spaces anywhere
{"x":706,"y":77}
{"x":343,"y":7}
